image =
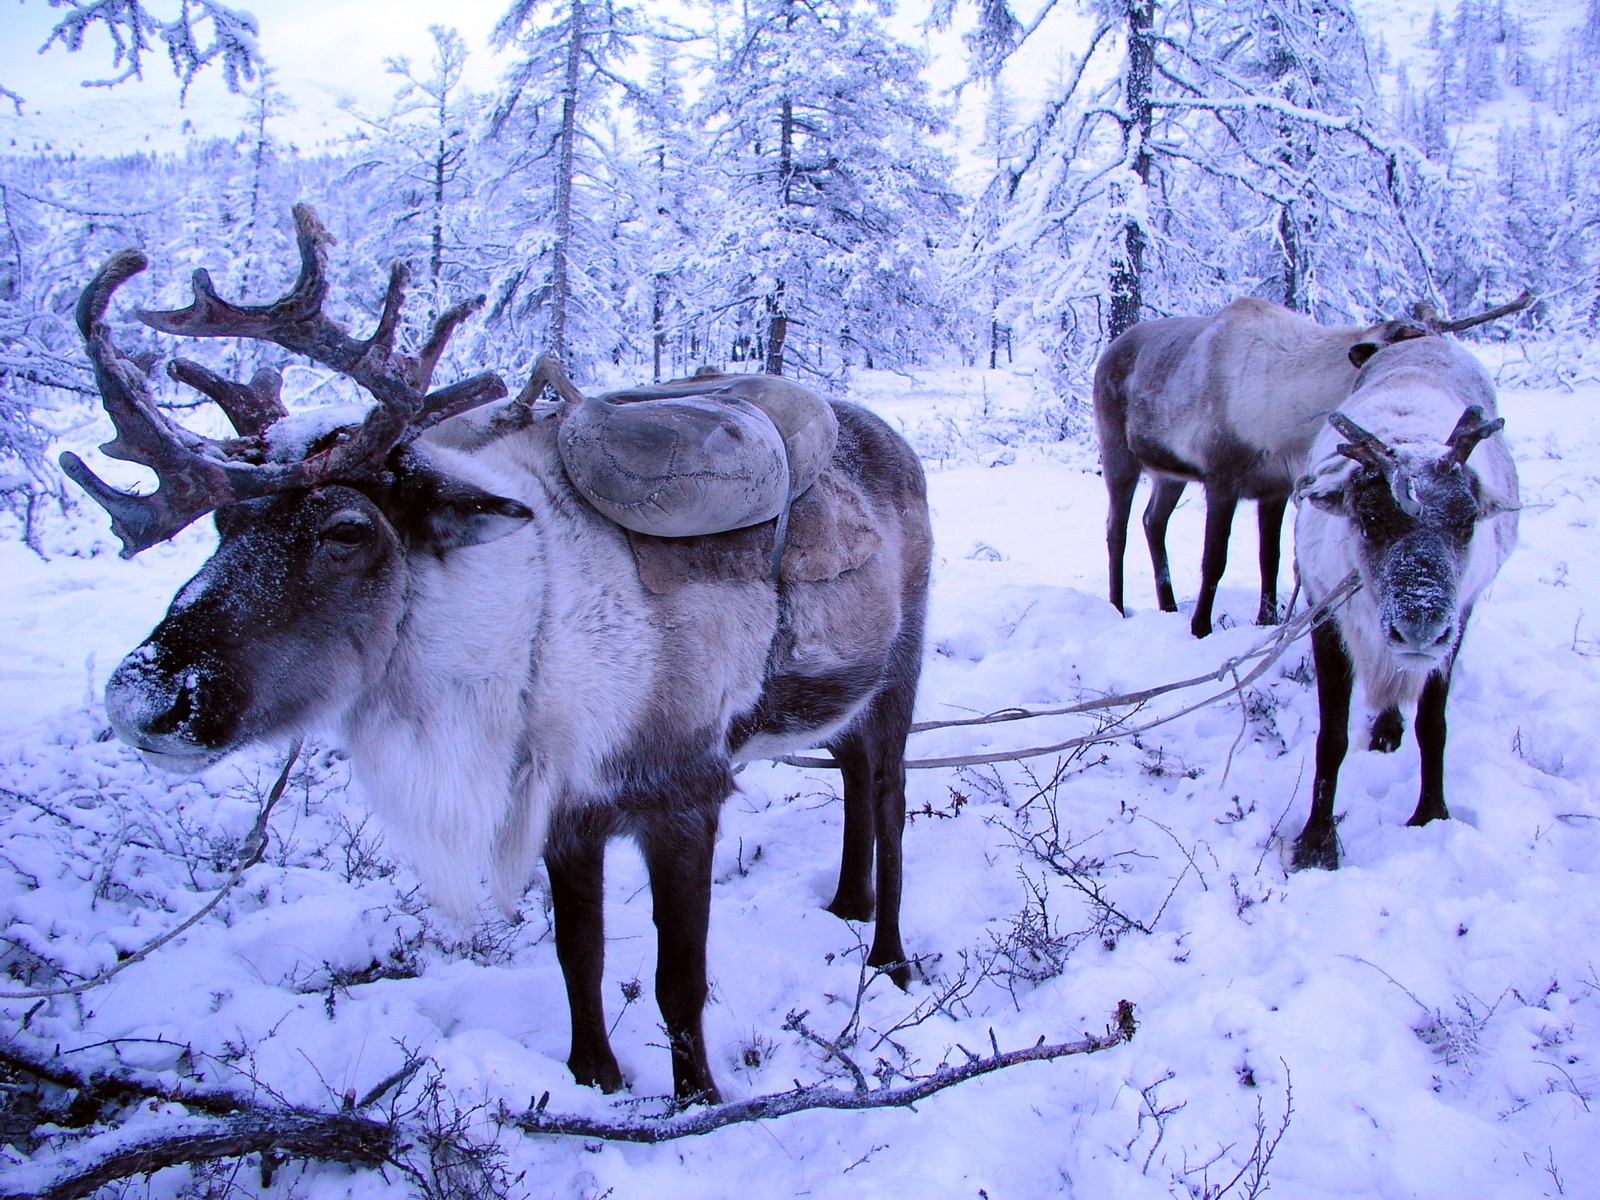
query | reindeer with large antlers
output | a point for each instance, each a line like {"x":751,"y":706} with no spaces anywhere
{"x":1232,"y":401}
{"x":1394,"y":498}
{"x":427,"y":583}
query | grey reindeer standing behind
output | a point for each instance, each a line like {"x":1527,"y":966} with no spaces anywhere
{"x":426,"y":584}
{"x":1232,"y":401}
{"x":1412,"y":488}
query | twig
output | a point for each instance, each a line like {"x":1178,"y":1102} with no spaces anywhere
{"x":1269,"y":651}
{"x":250,"y":853}
{"x":650,"y":1131}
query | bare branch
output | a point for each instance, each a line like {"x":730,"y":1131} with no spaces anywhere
{"x":1268,"y":651}
{"x":651,"y":1131}
{"x":250,"y":852}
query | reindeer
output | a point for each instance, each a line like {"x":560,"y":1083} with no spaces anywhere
{"x":1232,"y":401}
{"x":427,"y":584}
{"x":1397,"y":502}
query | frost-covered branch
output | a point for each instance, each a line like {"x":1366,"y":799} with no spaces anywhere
{"x":1266,"y":652}
{"x":219,"y":1124}
{"x":805,"y":1099}
{"x":134,"y":30}
{"x":250,"y":853}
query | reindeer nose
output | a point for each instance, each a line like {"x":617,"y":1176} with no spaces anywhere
{"x":1425,"y":637}
{"x":172,"y":709}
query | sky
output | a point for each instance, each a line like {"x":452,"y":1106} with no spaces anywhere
{"x":323,"y":52}
{"x":331,"y":52}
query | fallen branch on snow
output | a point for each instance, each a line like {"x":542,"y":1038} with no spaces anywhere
{"x":651,"y":1130}
{"x":220,"y":1124}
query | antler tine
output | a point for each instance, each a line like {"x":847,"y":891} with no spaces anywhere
{"x":251,"y":407}
{"x":190,"y":483}
{"x":1470,"y":429}
{"x":1365,"y":448}
{"x":460,"y":397}
{"x":547,"y":373}
{"x":443,"y":328}
{"x":1425,"y":312}
{"x":1487,"y":315}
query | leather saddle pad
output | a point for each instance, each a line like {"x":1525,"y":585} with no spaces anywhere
{"x":830,"y":532}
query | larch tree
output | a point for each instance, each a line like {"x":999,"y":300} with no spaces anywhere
{"x":1197,"y":149}
{"x":837,"y":198}
{"x":545,"y":122}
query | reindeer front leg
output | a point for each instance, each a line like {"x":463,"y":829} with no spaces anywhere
{"x":1431,"y":731}
{"x":677,"y":850}
{"x":1318,"y":843}
{"x":576,"y":864}
{"x":1269,"y":523}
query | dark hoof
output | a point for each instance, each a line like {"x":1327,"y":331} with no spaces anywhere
{"x":898,"y":970}
{"x":853,"y":907}
{"x":606,"y":1076}
{"x":1200,"y":628}
{"x":1268,"y":615}
{"x":1319,"y":852}
{"x":1423,"y":815}
{"x":1387,"y":730}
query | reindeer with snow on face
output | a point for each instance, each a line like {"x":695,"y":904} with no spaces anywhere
{"x":1413,"y":489}
{"x":1232,"y":401}
{"x":430,"y":586}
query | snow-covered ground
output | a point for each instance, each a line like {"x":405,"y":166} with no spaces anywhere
{"x":1423,"y":1023}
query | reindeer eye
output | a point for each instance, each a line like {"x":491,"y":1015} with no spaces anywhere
{"x":344,"y":533}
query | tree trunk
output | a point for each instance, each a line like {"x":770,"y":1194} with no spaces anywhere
{"x":658,"y":337}
{"x":777,"y":331}
{"x":560,"y":288}
{"x":777,"y":317}
{"x":436,"y":250}
{"x":1127,"y":272}
{"x":1293,"y":290}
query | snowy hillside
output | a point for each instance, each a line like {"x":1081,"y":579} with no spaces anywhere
{"x":1425,"y":1022}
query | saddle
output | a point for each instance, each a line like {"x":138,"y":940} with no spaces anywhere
{"x":719,"y":478}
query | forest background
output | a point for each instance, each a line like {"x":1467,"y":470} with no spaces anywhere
{"x":944,"y":213}
{"x":779,"y":185}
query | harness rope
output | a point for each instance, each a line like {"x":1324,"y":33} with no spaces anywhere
{"x":1269,"y":650}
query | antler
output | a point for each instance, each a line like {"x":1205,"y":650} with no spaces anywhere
{"x":1366,"y":448}
{"x":1429,"y":315}
{"x":547,"y":373}
{"x":1469,"y":431}
{"x":197,"y":474}
{"x":1371,"y":451}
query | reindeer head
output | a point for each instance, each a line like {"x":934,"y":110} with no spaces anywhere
{"x":1415,"y":514}
{"x":1424,"y":322}
{"x":301,"y":603}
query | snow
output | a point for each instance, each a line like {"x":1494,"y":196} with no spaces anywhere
{"x":1428,"y":1016}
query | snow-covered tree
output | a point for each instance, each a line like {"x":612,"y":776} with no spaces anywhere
{"x":413,"y":165}
{"x":837,"y":198}
{"x":552,"y":293}
{"x":1204,"y":149}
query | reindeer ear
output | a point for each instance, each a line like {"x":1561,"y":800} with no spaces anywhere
{"x":1361,"y":351}
{"x":440,"y":512}
{"x":1326,"y":490}
{"x":1491,"y":503}
{"x":473,"y":519}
